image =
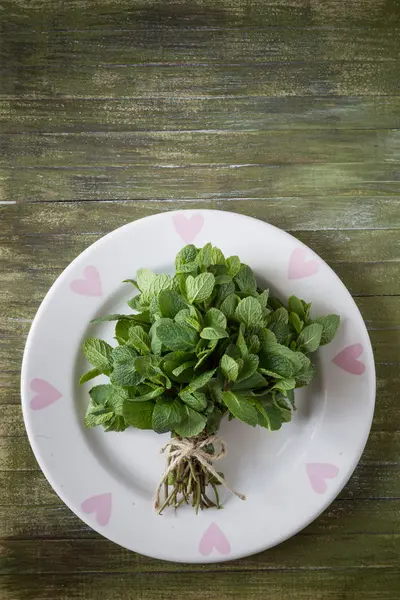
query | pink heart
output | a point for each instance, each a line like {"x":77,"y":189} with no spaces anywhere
{"x":214,"y":538}
{"x":90,"y":285}
{"x":101,"y":505}
{"x":299,"y":267}
{"x":188,"y":228}
{"x":318,"y":472}
{"x":347,"y":359}
{"x":46,"y":394}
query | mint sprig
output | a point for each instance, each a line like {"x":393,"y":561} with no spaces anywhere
{"x":201,"y":345}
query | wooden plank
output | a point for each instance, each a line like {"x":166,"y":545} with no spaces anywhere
{"x":330,"y":584}
{"x":271,"y":79}
{"x":343,"y":517}
{"x":291,"y":213}
{"x":194,"y":114}
{"x":32,"y":251}
{"x":172,"y":44}
{"x":172,"y":182}
{"x":89,"y":555}
{"x":256,"y":148}
{"x":126,"y":14}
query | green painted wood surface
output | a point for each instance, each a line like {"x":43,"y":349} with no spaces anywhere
{"x":287,"y":111}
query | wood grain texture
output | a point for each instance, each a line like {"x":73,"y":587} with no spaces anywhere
{"x":286,"y":111}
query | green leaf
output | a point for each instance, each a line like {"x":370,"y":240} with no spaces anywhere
{"x":107,"y":318}
{"x":138,"y":414}
{"x":213,"y":333}
{"x":160,"y":283}
{"x":200,"y":381}
{"x":100,"y":393}
{"x":170,"y":303}
{"x":176,"y":336}
{"x":90,"y":375}
{"x":98,"y":354}
{"x":196,"y":400}
{"x":222,"y":279}
{"x":229,"y":305}
{"x":223,"y":291}
{"x":152,"y":395}
{"x":217,"y":257}
{"x":122,"y":329}
{"x":249,"y":312}
{"x":191,"y":424}
{"x":215,"y":318}
{"x":233,"y":264}
{"x":156,"y":343}
{"x":186,"y":255}
{"x":189,"y":318}
{"x":276,"y":415}
{"x":296,"y":306}
{"x":284,"y":385}
{"x":250,"y":365}
{"x":254,"y":382}
{"x":305,"y":371}
{"x":254,"y":344}
{"x":124,"y":372}
{"x":241,"y":344}
{"x":277,"y":363}
{"x":330,"y":325}
{"x":199,"y":289}
{"x":246,"y":281}
{"x":279,"y":316}
{"x":166,"y":415}
{"x":139,"y":339}
{"x":295,"y":321}
{"x":214,"y":421}
{"x":144,"y":279}
{"x":203,"y":258}
{"x":240,"y":407}
{"x":97,"y":415}
{"x":263,"y":299}
{"x":229,"y":367}
{"x":310,"y":337}
{"x":182,"y":368}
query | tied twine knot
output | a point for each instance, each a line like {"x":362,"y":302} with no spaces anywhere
{"x":181,"y":449}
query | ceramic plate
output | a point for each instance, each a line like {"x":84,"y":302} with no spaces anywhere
{"x":108,"y":479}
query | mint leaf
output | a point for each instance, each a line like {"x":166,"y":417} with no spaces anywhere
{"x":279,"y":316}
{"x":240,"y":407}
{"x":160,"y":283}
{"x":170,"y":303}
{"x":186,"y":255}
{"x":229,"y":305}
{"x":139,"y":339}
{"x":89,"y":375}
{"x":246,"y":281}
{"x":223,"y":291}
{"x":199,"y":381}
{"x":233,"y":263}
{"x":213,"y":333}
{"x":310,"y":337}
{"x":138,"y":414}
{"x":295,"y":321}
{"x":214,"y":421}
{"x":215,"y":318}
{"x":182,"y":368}
{"x":296,"y":306}
{"x":122,"y":330}
{"x":98,"y":354}
{"x":166,"y":415}
{"x":144,"y":279}
{"x":196,"y":400}
{"x":191,"y":424}
{"x":189,"y":318}
{"x":330,"y":325}
{"x":284,"y":385}
{"x":100,"y":393}
{"x":229,"y":367}
{"x":199,"y":289}
{"x":249,"y":312}
{"x":241,"y":344}
{"x":277,"y":363}
{"x":250,"y":365}
{"x":176,"y":336}
{"x":124,"y":370}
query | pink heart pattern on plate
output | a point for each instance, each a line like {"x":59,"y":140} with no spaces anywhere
{"x":89,"y":285}
{"x":299,"y":267}
{"x":347,"y":359}
{"x":212,"y":538}
{"x":46,"y":394}
{"x":188,"y":228}
{"x":100,"y":505}
{"x":318,"y":473}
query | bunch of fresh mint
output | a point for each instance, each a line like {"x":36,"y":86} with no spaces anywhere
{"x":205,"y":343}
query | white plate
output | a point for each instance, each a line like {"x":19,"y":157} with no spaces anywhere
{"x":108,"y":479}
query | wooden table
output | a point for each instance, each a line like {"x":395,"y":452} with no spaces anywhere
{"x":286,"y":110}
